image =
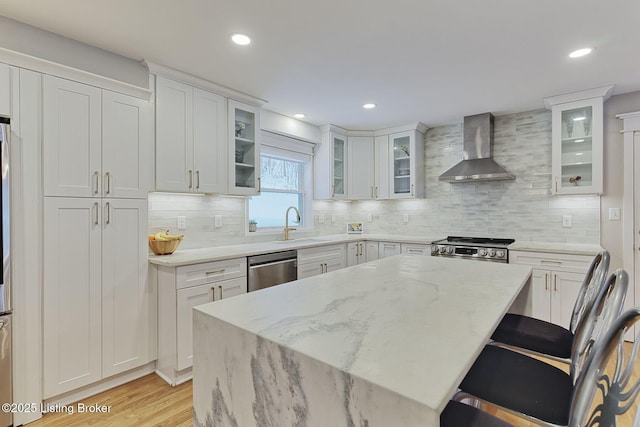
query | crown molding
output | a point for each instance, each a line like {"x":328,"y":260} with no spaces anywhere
{"x":603,"y":92}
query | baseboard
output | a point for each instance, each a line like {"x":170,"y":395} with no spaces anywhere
{"x":178,"y":377}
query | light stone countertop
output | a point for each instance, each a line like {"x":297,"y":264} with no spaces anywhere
{"x":217,"y":253}
{"x":386,"y":340}
{"x":556,"y":248}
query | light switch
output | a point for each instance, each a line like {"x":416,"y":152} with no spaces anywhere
{"x":320,"y":218}
{"x":333,"y":218}
{"x":217,"y":221}
{"x":369,"y":218}
{"x":567,"y":221}
{"x":405,"y":217}
{"x":614,"y":214}
{"x":182,"y":222}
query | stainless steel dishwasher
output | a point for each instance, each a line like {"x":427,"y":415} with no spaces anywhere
{"x":272,"y":269}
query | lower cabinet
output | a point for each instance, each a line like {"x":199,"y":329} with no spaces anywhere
{"x":372,"y":250}
{"x":555,"y":283}
{"x":179,"y":290}
{"x":319,"y":260}
{"x":99,"y":308}
{"x":356,"y":253}
{"x":386,"y":249}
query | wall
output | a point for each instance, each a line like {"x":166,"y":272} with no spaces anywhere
{"x":43,"y":44}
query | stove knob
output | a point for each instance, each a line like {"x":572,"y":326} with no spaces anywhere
{"x":500,"y":253}
{"x":483,"y":252}
{"x":449,"y":249}
{"x":442,"y":249}
{"x":492,"y":252}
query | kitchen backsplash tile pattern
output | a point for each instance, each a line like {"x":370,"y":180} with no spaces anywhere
{"x":523,"y":209}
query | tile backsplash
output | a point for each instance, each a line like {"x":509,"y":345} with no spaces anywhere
{"x":523,"y":209}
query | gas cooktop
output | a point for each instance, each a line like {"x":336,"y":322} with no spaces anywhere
{"x":478,"y":248}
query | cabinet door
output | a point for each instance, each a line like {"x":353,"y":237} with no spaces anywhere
{"x":541,"y":294}
{"x":361,"y":167}
{"x":244,"y":147}
{"x":126,"y":322}
{"x":372,"y":251}
{"x":577,"y":147}
{"x":174,"y":136}
{"x":386,"y":249}
{"x":355,"y":253}
{"x":72,"y":133}
{"x":188,"y":298}
{"x":126,"y":145}
{"x":209,"y":142}
{"x":415,"y":249}
{"x":382,"y":173}
{"x":230,"y":288}
{"x":407,"y":165}
{"x":311,"y":269}
{"x":334,"y":264}
{"x":5,"y":91}
{"x":72,"y":328}
{"x":339,"y":166}
{"x":566,"y":287}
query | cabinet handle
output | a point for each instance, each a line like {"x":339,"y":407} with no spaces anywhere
{"x":190,"y":178}
{"x":221,"y":297}
{"x":555,"y":283}
{"x":97,"y":220}
{"x":259,"y":185}
{"x":333,"y":191}
{"x":222,"y":270}
{"x":376,"y":192}
{"x":546,"y":281}
{"x":556,"y":184}
{"x":360,"y":244}
{"x":415,"y":251}
{"x":372,"y":196}
{"x":198,"y":179}
{"x":108,"y":179}
{"x":412,"y":190}
{"x":213,"y":293}
{"x":550,"y":261}
{"x":96,"y":175}
{"x":108,"y":206}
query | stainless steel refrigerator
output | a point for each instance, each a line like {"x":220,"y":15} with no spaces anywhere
{"x":6,"y":394}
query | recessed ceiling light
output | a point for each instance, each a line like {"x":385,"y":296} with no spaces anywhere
{"x":579,"y":140}
{"x":579,"y":118}
{"x":241,"y":39}
{"x":369,"y":106}
{"x":299,"y":115}
{"x":580,"y":52}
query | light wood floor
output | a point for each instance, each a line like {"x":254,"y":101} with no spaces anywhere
{"x":149,"y":401}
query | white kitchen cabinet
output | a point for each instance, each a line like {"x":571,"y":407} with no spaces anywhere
{"x":386,"y":249}
{"x":96,"y":310}
{"x":244,"y":148}
{"x":179,"y":290}
{"x":415,"y":249}
{"x":407,"y":164}
{"x":382,"y":178}
{"x":372,"y":250}
{"x":577,"y":141}
{"x":361,"y":168}
{"x":320,"y":260}
{"x":356,"y":253}
{"x":97,"y":143}
{"x":555,"y":283}
{"x":330,"y":165}
{"x":191,"y":143}
{"x":5,"y":90}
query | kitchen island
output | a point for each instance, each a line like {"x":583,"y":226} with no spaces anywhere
{"x":378,"y":344}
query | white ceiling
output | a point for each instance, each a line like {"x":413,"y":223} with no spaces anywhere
{"x":419,"y":60}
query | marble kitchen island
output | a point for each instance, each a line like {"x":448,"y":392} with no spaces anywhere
{"x":379,"y":344}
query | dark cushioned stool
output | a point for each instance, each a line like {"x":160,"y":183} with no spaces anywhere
{"x":458,"y":414}
{"x":536,"y":335}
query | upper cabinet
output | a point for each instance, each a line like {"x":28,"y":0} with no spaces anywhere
{"x":5,"y":90}
{"x":330,"y":165}
{"x":361,"y":168}
{"x":244,"y":144}
{"x":96,"y":142}
{"x":191,"y":148}
{"x":407,"y":165}
{"x":577,"y":141}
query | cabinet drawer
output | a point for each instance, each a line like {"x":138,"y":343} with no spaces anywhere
{"x":210,"y":272}
{"x":551,"y":261}
{"x":321,"y":254}
{"x":415,"y":249}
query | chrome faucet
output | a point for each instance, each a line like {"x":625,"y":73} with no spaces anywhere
{"x":286,"y":221}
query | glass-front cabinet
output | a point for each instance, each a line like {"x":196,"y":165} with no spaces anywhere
{"x":407,"y":180}
{"x":330,"y":165}
{"x":577,"y":141}
{"x":339,"y":166}
{"x":244,"y":152}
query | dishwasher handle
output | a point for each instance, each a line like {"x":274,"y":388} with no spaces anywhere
{"x":284,"y":261}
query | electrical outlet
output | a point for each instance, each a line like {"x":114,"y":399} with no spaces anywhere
{"x":182,"y":222}
{"x":614,"y":214}
{"x":217,"y":221}
{"x":567,"y":221}
{"x":333,"y":218}
{"x":320,"y":218}
{"x":405,"y":217}
{"x":369,"y":218}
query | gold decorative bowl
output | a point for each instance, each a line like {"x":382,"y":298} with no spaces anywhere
{"x":164,"y":247}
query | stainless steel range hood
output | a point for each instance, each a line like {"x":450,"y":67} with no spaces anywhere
{"x":478,"y":163}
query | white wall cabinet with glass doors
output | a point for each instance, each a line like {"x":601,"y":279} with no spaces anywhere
{"x":244,"y":148}
{"x":406,"y":165}
{"x":330,"y":165}
{"x":577,"y":141}
{"x":191,"y":143}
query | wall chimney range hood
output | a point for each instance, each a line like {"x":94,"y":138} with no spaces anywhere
{"x":478,"y":163}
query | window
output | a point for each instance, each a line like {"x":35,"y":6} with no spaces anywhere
{"x":285,"y":180}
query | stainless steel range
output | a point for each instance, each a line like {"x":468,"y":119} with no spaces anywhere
{"x":478,"y":248}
